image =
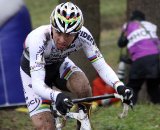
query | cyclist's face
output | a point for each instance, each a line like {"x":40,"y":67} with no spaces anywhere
{"x":62,"y":40}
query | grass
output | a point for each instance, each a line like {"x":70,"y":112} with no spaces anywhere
{"x":112,"y":13}
{"x":40,"y":11}
{"x":144,"y":117}
{"x":107,"y":118}
{"x":13,"y":120}
{"x":109,"y":46}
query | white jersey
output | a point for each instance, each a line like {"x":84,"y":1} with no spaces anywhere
{"x":40,"y":43}
{"x":40,"y":50}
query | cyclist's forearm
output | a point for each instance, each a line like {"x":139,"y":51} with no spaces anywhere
{"x":42,"y":89}
{"x":105,"y":72}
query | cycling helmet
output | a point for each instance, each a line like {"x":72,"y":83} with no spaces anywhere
{"x":67,"y":18}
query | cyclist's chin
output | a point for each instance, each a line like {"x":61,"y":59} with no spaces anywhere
{"x":61,"y":47}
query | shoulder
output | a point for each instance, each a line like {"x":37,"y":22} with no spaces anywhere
{"x":38,"y":37}
{"x":39,"y":33}
{"x":132,"y":26}
{"x":85,"y":35}
{"x":41,"y":30}
{"x":146,"y":22}
{"x":149,"y":25}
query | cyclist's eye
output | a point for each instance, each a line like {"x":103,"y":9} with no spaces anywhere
{"x":58,"y":32}
{"x":72,"y":34}
{"x":68,"y":35}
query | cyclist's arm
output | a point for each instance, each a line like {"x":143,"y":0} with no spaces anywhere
{"x":98,"y":62}
{"x":103,"y":69}
{"x":37,"y":63}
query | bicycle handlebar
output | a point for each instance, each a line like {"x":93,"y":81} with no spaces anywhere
{"x":114,"y":95}
{"x":89,"y":99}
{"x":94,"y":98}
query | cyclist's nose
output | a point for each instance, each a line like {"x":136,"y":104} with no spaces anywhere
{"x":62,"y":39}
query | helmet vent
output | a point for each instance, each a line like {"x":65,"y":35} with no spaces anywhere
{"x":62,"y":4}
{"x":71,"y":24}
{"x":72,"y":15}
{"x":61,"y":22}
{"x":58,"y":11}
{"x":64,"y":13}
{"x":78,"y":14}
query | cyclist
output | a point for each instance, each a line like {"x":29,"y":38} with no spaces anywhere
{"x":45,"y":63}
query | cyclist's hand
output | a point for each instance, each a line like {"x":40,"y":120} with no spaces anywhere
{"x":127,"y":94}
{"x":63,"y":103}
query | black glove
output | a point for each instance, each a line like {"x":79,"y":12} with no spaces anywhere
{"x":63,"y":103}
{"x":127,"y":94}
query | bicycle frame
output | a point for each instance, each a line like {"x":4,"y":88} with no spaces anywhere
{"x":82,"y":116}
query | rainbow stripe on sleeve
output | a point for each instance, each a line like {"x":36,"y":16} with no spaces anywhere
{"x":45,"y":104}
{"x":67,"y":73}
{"x":93,"y":58}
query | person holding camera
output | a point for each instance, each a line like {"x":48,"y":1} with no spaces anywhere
{"x":143,"y":45}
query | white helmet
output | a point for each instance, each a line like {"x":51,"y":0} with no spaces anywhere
{"x":67,"y":18}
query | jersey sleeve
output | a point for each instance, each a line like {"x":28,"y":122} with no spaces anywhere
{"x":95,"y":57}
{"x":37,"y":68}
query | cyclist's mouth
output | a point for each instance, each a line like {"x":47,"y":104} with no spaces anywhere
{"x":61,"y":46}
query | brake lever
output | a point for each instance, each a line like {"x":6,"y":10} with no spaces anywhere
{"x":125,"y":106}
{"x":129,"y":103}
{"x":125,"y":111}
{"x":68,"y":102}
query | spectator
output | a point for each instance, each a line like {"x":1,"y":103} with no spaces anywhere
{"x":140,"y":37}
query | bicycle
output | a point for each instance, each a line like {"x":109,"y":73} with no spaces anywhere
{"x":81,"y":116}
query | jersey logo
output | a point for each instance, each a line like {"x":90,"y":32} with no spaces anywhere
{"x":40,"y":59}
{"x":86,"y":36}
{"x":138,"y":35}
{"x":39,"y":56}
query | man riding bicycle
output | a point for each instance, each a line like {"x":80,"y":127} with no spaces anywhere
{"x":45,"y":63}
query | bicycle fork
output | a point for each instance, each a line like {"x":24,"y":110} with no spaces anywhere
{"x":82,"y":117}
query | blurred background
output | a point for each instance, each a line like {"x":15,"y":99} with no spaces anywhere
{"x":104,"y":19}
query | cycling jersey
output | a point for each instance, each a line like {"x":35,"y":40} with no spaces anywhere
{"x":40,"y":50}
